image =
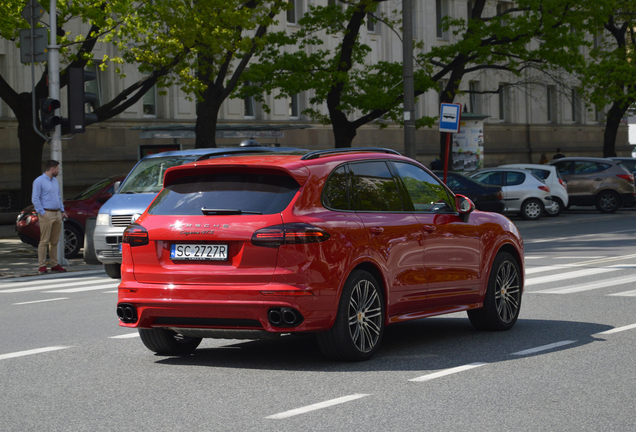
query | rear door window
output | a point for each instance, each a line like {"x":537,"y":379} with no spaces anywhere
{"x":514,"y":178}
{"x":490,"y":177}
{"x":375,"y":187}
{"x":248,"y":193}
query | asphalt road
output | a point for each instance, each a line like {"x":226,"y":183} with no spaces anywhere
{"x":568,"y":364}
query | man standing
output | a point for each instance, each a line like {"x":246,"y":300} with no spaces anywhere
{"x":48,"y":204}
{"x":558,"y":155}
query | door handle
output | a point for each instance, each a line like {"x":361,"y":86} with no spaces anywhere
{"x":428,"y":228}
{"x":598,"y":179}
{"x":376,"y":230}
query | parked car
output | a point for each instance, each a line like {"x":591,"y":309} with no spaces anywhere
{"x":84,"y":205}
{"x":337,"y":243}
{"x":140,"y":187}
{"x":601,"y":182}
{"x":486,"y":197}
{"x":524,"y":193}
{"x":558,"y":187}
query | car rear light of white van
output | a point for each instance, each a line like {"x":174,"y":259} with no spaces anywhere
{"x":291,"y":233}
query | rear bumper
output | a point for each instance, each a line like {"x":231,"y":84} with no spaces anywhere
{"x":235,"y":308}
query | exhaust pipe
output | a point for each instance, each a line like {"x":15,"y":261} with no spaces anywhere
{"x":284,"y":317}
{"x":127,"y":313}
{"x":275,"y":317}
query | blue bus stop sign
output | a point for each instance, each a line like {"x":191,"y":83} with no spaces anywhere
{"x":449,"y":116}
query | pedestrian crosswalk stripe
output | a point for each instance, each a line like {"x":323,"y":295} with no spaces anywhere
{"x":85,"y":288}
{"x":625,"y":294}
{"x":588,"y":286}
{"x":49,"y":284}
{"x":576,"y":274}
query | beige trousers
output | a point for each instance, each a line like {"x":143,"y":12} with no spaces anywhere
{"x":50,"y":228}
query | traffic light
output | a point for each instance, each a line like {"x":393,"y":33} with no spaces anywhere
{"x":78,"y":118}
{"x":48,"y":119}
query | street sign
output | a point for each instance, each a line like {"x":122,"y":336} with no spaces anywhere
{"x":33,"y":11}
{"x":449,"y":116}
{"x":33,"y":50}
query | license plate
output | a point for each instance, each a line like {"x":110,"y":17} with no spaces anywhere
{"x":183,"y":251}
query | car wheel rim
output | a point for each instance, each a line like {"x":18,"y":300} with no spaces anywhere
{"x":365,"y":316}
{"x":70,"y":241}
{"x":608,"y":201}
{"x":507,"y":292}
{"x":533,"y":210}
{"x":554,"y":209}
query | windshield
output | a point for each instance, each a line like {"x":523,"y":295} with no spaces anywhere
{"x":92,"y":190}
{"x":147,"y":176}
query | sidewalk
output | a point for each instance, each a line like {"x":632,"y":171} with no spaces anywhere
{"x":20,"y":259}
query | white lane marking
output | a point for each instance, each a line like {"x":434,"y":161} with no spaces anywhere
{"x":48,"y":284}
{"x":111,"y":292}
{"x":125,"y":336}
{"x":588,"y":286}
{"x":576,"y":274}
{"x":544,"y":348}
{"x":578,"y":257}
{"x":624,"y":294}
{"x":317,"y":406}
{"x":447,"y":372}
{"x":33,"y":351}
{"x":85,"y":288}
{"x":586,"y":263}
{"x":40,"y":301}
{"x":542,"y":269}
{"x":534,"y":257}
{"x":617,"y":330}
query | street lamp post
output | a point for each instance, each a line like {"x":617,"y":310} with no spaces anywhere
{"x":409,"y":85}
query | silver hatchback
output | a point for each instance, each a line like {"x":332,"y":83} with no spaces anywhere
{"x":524,"y":193}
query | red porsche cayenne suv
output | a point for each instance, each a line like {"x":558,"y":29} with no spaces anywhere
{"x":339,"y":243}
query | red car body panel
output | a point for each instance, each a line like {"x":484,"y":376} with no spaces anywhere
{"x":442,"y":264}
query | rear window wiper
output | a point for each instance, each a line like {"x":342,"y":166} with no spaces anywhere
{"x":208,"y":211}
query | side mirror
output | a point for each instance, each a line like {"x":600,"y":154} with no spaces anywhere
{"x":464,"y":207}
{"x":116,"y":186}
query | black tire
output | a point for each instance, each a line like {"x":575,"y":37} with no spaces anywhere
{"x":113,"y":270}
{"x":502,"y":302}
{"x":531,"y":209}
{"x":167,"y":342}
{"x":558,"y":206}
{"x":608,"y":201}
{"x":359,"y":326}
{"x":73,"y":241}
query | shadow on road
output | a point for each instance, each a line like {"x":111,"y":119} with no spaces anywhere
{"x":430,"y":344}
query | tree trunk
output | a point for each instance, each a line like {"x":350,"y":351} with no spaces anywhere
{"x":31,"y":145}
{"x":343,"y":130}
{"x":207,"y":117}
{"x":612,"y":123}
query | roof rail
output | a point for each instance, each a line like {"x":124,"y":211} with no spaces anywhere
{"x":316,"y":154}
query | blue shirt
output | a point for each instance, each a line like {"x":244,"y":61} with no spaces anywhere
{"x":46,"y":194}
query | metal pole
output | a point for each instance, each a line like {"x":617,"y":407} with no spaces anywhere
{"x":409,"y":85}
{"x":54,"y":93}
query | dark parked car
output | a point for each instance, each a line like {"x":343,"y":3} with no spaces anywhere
{"x":336,"y":243}
{"x":604,"y":183}
{"x":486,"y":197}
{"x":84,"y":205}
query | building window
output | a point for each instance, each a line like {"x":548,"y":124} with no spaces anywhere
{"x":473,"y":101}
{"x":94,"y":86}
{"x":294,"y":14}
{"x":503,"y":101}
{"x":501,"y":8}
{"x":576,"y":106}
{"x":371,"y":23}
{"x":294,"y":108}
{"x":441,"y":9}
{"x":150,"y":102}
{"x":248,"y":104}
{"x":552,"y":104}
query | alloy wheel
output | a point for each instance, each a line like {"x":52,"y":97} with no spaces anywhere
{"x":507,"y":292}
{"x":365,"y":316}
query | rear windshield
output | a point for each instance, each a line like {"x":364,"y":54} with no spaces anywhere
{"x":147,"y":176}
{"x":243,"y":192}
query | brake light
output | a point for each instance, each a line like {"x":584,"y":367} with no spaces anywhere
{"x":500,"y":195}
{"x":564,"y":184}
{"x":136,"y":235}
{"x":292,"y":233}
{"x":628,"y":177}
{"x":545,"y":188}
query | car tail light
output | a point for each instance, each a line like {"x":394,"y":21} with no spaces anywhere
{"x":293,"y":233}
{"x":545,"y":188}
{"x":564,"y":184}
{"x":136,"y":235}
{"x":500,"y":195}
{"x":628,"y":177}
